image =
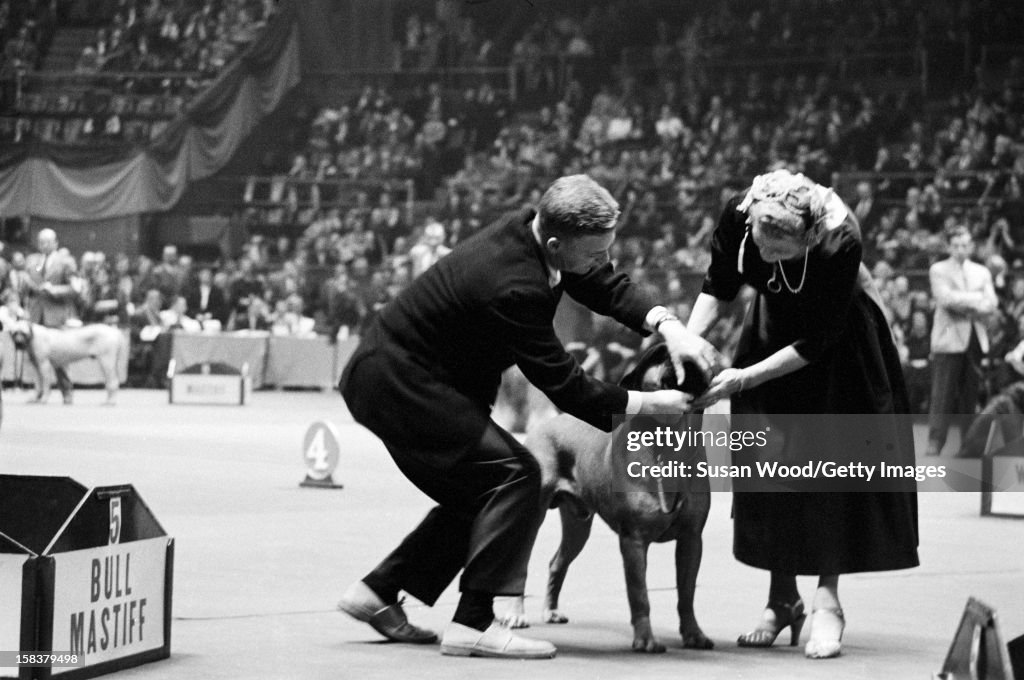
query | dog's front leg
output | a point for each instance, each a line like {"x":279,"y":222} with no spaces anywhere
{"x":634,"y":561}
{"x":689,"y":547}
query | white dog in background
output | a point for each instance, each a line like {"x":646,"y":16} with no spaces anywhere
{"x":48,"y":347}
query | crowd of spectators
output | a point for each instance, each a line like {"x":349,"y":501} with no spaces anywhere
{"x":672,"y":149}
{"x":670,"y":143}
{"x":197,"y":36}
{"x":26,"y":30}
{"x":158,"y":54}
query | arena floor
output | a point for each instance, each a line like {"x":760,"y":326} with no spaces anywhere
{"x":260,"y":561}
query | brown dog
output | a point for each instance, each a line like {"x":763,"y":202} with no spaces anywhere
{"x":579,"y":464}
{"x":48,"y":347}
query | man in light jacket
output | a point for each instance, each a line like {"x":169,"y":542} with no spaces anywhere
{"x":964,"y":296}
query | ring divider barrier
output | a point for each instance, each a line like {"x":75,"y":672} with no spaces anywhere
{"x":977,"y":651}
{"x":99,"y":575}
{"x":18,"y":565}
{"x":1002,"y":467}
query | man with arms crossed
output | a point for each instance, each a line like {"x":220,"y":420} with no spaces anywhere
{"x":964,"y":296}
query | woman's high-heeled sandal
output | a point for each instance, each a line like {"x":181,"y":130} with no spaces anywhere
{"x":787,"y":615}
{"x":825,"y":648}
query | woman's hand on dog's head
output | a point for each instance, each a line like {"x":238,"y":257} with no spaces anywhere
{"x":728,"y":382}
{"x":665,"y":402}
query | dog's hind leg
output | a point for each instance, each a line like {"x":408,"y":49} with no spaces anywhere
{"x":575,"y":532}
{"x":108,"y":364}
{"x":42,"y":378}
{"x":64,"y":383}
{"x":634,"y":561}
{"x":689,"y":549}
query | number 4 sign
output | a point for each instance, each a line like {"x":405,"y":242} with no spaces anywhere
{"x":320,"y":451}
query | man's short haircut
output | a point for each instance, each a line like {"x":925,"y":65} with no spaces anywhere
{"x":958,"y":231}
{"x":576,"y":205}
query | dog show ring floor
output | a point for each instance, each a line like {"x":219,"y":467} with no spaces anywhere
{"x":260,"y":562}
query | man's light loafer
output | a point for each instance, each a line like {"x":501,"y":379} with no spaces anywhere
{"x":497,"y":642}
{"x":362,"y":604}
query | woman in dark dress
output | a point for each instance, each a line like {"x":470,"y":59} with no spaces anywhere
{"x":815,"y":341}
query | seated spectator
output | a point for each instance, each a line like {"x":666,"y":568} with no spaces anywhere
{"x":20,"y":53}
{"x":254,"y":316}
{"x":669,"y":126}
{"x":343,"y":310}
{"x":150,"y":346}
{"x":169,"y":276}
{"x":866,"y":208}
{"x":247,"y":287}
{"x":174,"y":318}
{"x":429,"y":250}
{"x":897,"y":298}
{"x":289,"y":320}
{"x":206,"y":302}
{"x":917,"y":341}
{"x":103,"y":304}
{"x":89,"y":62}
{"x":1014,"y":302}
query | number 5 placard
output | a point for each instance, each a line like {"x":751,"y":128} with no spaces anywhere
{"x":115,"y":520}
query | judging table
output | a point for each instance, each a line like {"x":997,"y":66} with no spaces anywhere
{"x":278,"y":361}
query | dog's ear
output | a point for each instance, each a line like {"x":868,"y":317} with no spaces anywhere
{"x":652,"y":356}
{"x":694,"y":381}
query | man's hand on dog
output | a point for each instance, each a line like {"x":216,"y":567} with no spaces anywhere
{"x":664,"y":402}
{"x":683,"y":344}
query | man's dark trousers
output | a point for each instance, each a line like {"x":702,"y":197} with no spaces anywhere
{"x":486,"y":521}
{"x":956,"y":378}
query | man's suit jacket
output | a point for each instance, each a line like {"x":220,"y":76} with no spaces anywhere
{"x":143,"y":317}
{"x":428,"y":367}
{"x":867,"y":213}
{"x":216,"y":304}
{"x":55,"y":308}
{"x":963,"y":297}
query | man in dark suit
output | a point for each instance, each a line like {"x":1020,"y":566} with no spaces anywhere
{"x":205,"y":301}
{"x":50,"y":295}
{"x":867,"y":209}
{"x":427,"y":372}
